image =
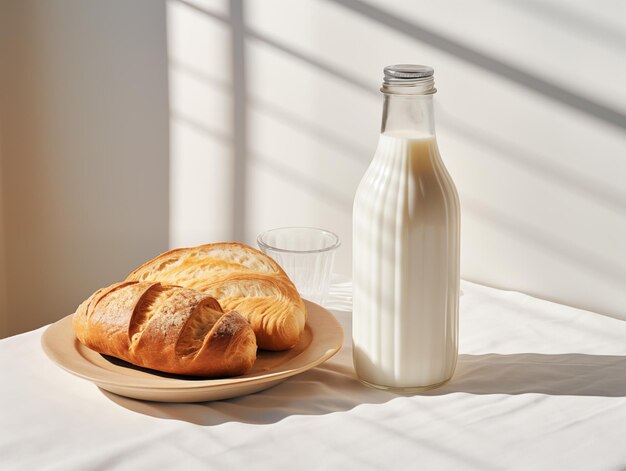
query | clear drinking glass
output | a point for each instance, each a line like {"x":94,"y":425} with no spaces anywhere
{"x":306,"y":254}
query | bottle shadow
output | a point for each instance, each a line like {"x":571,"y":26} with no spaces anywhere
{"x":571,"y":374}
{"x":333,"y":387}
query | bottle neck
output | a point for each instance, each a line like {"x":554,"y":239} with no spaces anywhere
{"x":408,"y":114}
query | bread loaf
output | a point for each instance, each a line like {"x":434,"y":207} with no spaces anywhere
{"x":166,"y":328}
{"x":240,"y":278}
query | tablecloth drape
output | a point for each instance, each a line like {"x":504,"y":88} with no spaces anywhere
{"x":538,"y":386}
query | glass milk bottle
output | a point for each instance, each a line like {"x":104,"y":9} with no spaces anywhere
{"x":406,"y":246}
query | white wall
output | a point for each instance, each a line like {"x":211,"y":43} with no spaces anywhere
{"x":274,"y":117}
{"x":84,"y":134}
{"x":531,"y":123}
{"x":202,"y":150}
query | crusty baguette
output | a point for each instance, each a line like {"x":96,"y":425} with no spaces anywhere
{"x":166,"y":328}
{"x":240,"y":278}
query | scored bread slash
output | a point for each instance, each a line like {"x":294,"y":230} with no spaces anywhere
{"x":166,"y":328}
{"x":242,"y":279}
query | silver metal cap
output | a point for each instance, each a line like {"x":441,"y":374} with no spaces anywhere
{"x":409,"y":79}
{"x":404,"y":72}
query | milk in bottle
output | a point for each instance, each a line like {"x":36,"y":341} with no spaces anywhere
{"x":406,"y":246}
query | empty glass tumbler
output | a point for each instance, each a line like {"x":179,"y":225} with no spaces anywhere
{"x":306,"y":254}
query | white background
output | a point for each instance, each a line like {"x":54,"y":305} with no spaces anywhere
{"x":128,"y":127}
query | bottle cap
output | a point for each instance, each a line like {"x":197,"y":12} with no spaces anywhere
{"x":409,"y":79}
{"x":402,"y":72}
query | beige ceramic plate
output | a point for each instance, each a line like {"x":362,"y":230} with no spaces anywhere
{"x":322,"y":338}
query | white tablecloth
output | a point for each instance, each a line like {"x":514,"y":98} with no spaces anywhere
{"x":538,"y":386}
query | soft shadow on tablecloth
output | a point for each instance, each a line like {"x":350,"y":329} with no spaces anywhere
{"x":334,"y":388}
{"x":324,"y":390}
{"x":572,"y":374}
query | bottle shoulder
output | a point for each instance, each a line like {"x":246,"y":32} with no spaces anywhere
{"x":406,"y":165}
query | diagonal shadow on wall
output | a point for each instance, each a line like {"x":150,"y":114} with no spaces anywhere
{"x":486,"y":62}
{"x":513,"y":152}
{"x":516,"y":154}
{"x":573,"y":21}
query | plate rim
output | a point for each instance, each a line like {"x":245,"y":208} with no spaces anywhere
{"x":49,"y":346}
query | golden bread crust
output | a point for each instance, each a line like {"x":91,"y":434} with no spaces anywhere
{"x":166,"y":328}
{"x":241,"y":278}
